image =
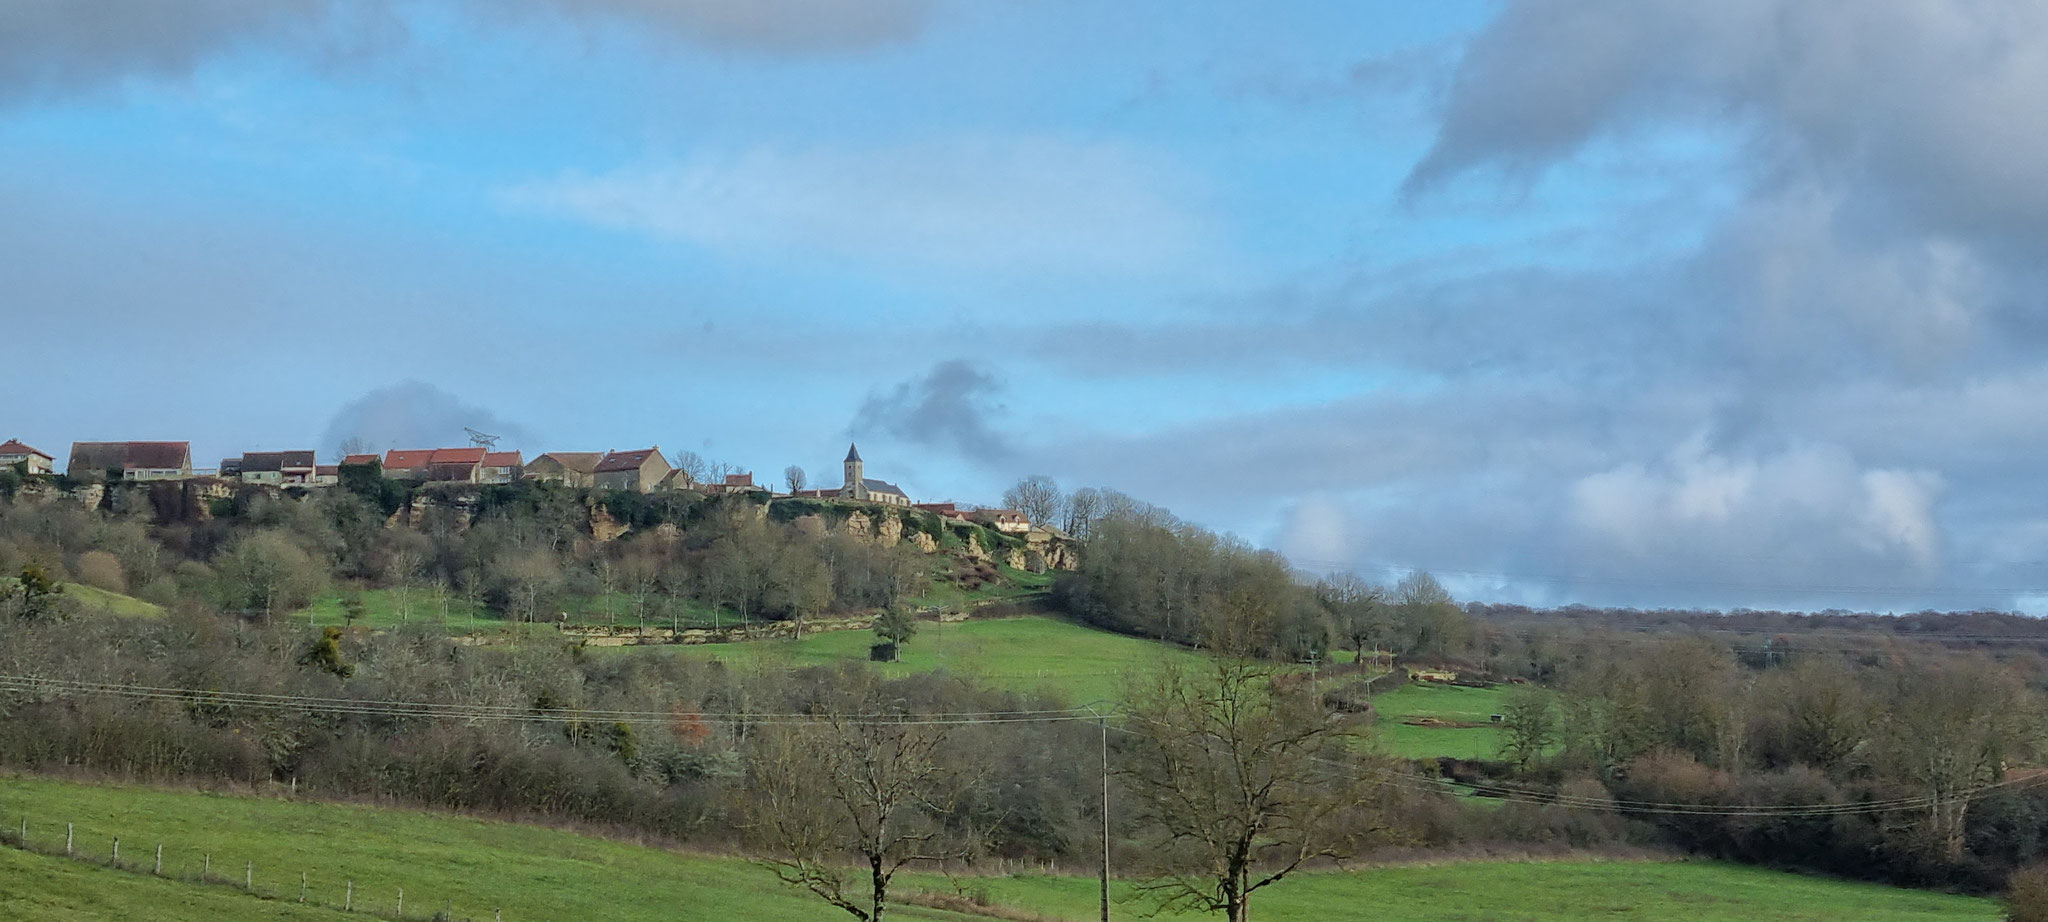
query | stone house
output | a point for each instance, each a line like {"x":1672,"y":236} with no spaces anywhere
{"x":861,"y":488}
{"x":442,"y":465}
{"x":573,"y":468}
{"x":274,"y":468}
{"x":570,"y":468}
{"x":1007,"y":521}
{"x":733,"y":483}
{"x":501,"y":467}
{"x":134,"y":460}
{"x":13,"y":452}
{"x":640,"y":471}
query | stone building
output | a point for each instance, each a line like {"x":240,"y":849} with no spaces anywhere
{"x":133,"y":460}
{"x":861,"y":488}
{"x":639,"y":471}
{"x":274,"y":468}
{"x":569,"y":468}
{"x":13,"y":452}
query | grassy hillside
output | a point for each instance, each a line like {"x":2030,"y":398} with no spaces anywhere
{"x":1030,"y":653}
{"x":1540,"y":892}
{"x":111,"y":602}
{"x":476,"y":866}
{"x":538,"y":873}
{"x":38,"y":888}
{"x":1449,"y":704}
{"x":1037,"y":653}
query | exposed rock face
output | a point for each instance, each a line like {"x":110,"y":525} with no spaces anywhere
{"x":924,"y":542}
{"x":858,"y":526}
{"x":889,"y":530}
{"x":605,"y":528}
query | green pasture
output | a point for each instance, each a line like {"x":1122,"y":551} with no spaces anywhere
{"x":1031,"y":653}
{"x":1449,"y":703}
{"x":475,"y":866}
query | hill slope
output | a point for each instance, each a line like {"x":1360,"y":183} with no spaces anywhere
{"x":476,"y":866}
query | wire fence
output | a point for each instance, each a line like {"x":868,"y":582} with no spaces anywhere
{"x":326,"y":888}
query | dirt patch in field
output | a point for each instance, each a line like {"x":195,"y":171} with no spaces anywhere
{"x":1438,"y":723}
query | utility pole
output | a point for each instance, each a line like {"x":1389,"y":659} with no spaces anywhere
{"x":1103,"y":723}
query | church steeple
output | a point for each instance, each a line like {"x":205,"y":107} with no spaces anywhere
{"x":856,"y":475}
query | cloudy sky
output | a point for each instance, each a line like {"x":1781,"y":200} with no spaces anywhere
{"x":1647,"y":302}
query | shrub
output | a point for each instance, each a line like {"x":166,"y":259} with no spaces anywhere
{"x":2026,"y":895}
{"x":101,"y":570}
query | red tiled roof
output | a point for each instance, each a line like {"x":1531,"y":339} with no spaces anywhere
{"x":397,"y":460}
{"x":15,"y":447}
{"x":359,"y":459}
{"x":626,"y":460}
{"x":502,"y":459}
{"x":739,"y":480}
{"x":416,"y":458}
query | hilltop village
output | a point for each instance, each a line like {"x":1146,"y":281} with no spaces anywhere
{"x":93,"y":467}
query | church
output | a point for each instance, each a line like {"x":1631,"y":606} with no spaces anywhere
{"x":860,"y":488}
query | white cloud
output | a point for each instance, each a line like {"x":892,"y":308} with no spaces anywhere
{"x":1025,"y":204}
{"x":1773,"y":513}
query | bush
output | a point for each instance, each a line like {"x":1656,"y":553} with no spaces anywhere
{"x":2026,"y":895}
{"x":883,"y":652}
{"x":101,"y":570}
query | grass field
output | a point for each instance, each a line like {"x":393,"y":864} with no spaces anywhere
{"x":1450,"y":703}
{"x":1558,"y":891}
{"x":111,"y":602}
{"x":1030,"y":653}
{"x":477,"y":866}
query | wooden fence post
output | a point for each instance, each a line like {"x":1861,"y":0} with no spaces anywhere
{"x":206,"y":868}
{"x":117,"y":850}
{"x":249,"y":876}
{"x":67,"y":840}
{"x":24,"y":832}
{"x":400,"y":914}
{"x":159,"y":860}
{"x":348,"y":897}
{"x":302,"y":886}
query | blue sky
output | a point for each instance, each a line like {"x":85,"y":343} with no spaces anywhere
{"x":1651,"y":305}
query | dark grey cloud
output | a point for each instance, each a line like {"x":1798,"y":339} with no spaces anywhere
{"x":954,"y":406}
{"x":59,"y":45}
{"x":795,"y":26}
{"x":65,"y":46}
{"x":413,"y":414}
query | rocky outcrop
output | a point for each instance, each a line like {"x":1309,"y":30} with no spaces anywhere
{"x":605,"y":528}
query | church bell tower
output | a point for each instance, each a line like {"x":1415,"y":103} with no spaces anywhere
{"x":856,"y":477}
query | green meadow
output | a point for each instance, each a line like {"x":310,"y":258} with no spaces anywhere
{"x":473,"y":867}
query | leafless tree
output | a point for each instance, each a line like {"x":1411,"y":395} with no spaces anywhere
{"x":794,"y":476}
{"x":1083,"y":506}
{"x":1037,"y":496}
{"x":855,"y":790}
{"x":1239,"y":779}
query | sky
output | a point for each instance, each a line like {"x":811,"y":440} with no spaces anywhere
{"x":1658,"y":303}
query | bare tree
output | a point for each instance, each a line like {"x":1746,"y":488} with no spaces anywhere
{"x":794,"y":476}
{"x":855,"y":789}
{"x":1239,"y":779}
{"x":1037,"y":496}
{"x":1083,"y":506}
{"x":693,"y":466}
